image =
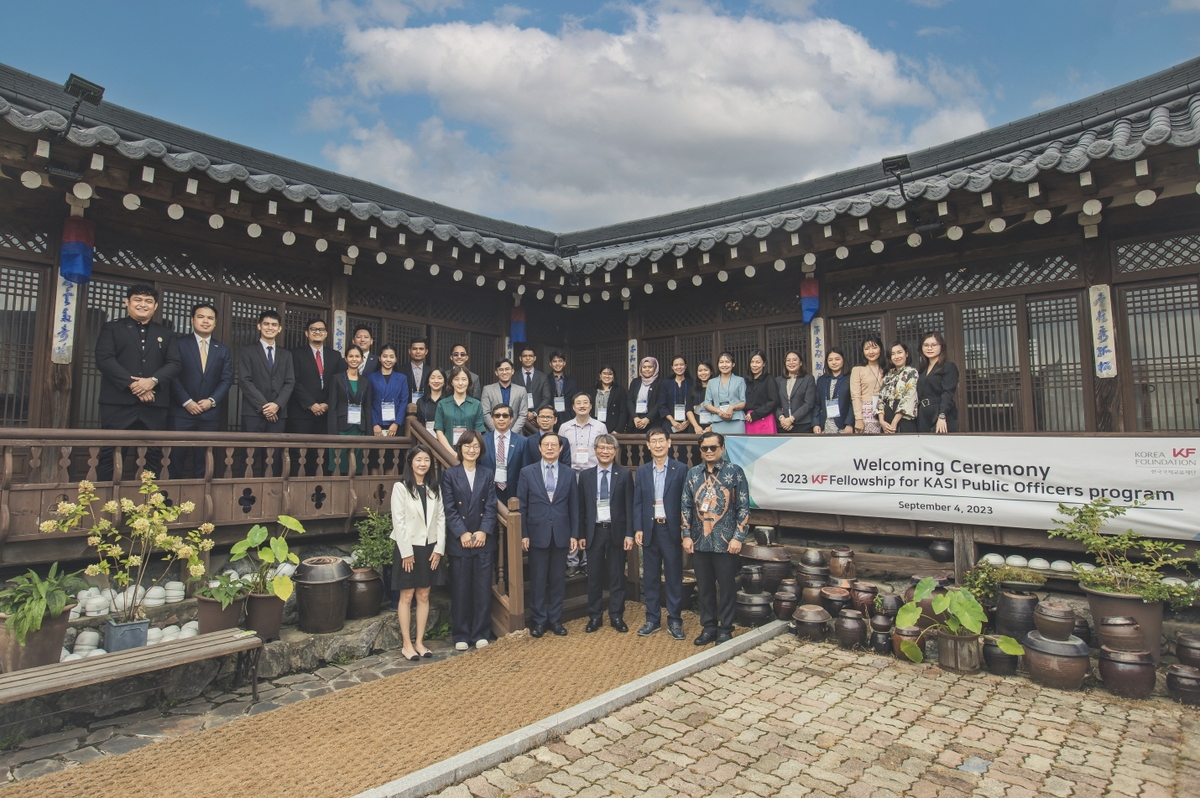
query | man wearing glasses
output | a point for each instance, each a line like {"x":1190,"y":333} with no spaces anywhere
{"x":458,"y":357}
{"x":606,"y":532}
{"x":657,"y":497}
{"x":716,"y":510}
{"x":504,"y":392}
{"x":316,"y":365}
{"x":505,"y":452}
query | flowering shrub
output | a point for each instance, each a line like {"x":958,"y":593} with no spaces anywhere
{"x":131,"y":535}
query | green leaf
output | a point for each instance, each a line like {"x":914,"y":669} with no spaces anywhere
{"x":256,"y":536}
{"x":238,"y":550}
{"x":291,"y":523}
{"x":1010,"y":646}
{"x":911,"y":650}
{"x":908,"y":615}
{"x":282,"y":587}
{"x":266,"y":555}
{"x":292,"y":558}
{"x":280,"y":548}
{"x":924,"y":588}
{"x":941,"y":603}
{"x":953,"y":625}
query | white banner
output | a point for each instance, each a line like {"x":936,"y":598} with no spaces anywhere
{"x":992,"y":480}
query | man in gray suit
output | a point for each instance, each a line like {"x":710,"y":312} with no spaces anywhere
{"x":504,"y":392}
{"x":266,"y":376}
{"x":535,"y":383}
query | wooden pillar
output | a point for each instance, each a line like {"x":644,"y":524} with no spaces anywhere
{"x":964,"y":551}
{"x":1106,"y":393}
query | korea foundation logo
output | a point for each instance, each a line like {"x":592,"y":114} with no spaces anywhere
{"x":1179,"y":459}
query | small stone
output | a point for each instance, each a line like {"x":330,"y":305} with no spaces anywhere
{"x":262,"y":706}
{"x":47,"y":739}
{"x":123,"y":745}
{"x":84,"y":755}
{"x":40,"y":768}
{"x":295,"y":678}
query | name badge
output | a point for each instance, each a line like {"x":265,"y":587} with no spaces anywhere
{"x":429,"y":426}
{"x":603,"y":511}
{"x":725,"y":407}
{"x":870,"y":408}
{"x":641,"y":406}
{"x":602,"y":414}
{"x":707,"y":502}
{"x":832,"y":409}
{"x":680,"y":412}
{"x":417,"y":396}
{"x":388,"y":412}
{"x":354,"y":414}
{"x":704,"y":417}
{"x":581,"y":455}
{"x":502,"y":473}
{"x":457,"y":433}
{"x":560,"y":404}
{"x":529,"y":400}
{"x":660,"y":509}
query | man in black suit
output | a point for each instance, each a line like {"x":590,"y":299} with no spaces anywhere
{"x":657,"y":520}
{"x":363,"y":339}
{"x":535,"y":383}
{"x":606,"y":532}
{"x":205,"y":374}
{"x":417,"y":369}
{"x":549,"y":500}
{"x":546,"y":419}
{"x":316,"y":365}
{"x":562,"y":389}
{"x":266,"y":377}
{"x":137,"y":359}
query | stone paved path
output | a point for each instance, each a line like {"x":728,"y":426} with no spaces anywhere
{"x":119,"y":734}
{"x":791,"y":719}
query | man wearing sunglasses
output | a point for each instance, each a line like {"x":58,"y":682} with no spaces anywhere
{"x":458,"y":357}
{"x":657,"y":495}
{"x":505,"y":452}
{"x":716,"y":511}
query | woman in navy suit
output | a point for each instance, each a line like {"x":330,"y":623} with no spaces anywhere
{"x":469,"y":496}
{"x":389,"y":391}
{"x":834,"y":412}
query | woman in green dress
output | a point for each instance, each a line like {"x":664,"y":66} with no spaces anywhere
{"x":458,"y":412}
{"x":347,"y":414}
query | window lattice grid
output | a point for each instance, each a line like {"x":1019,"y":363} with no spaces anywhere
{"x":374,"y":325}
{"x":740,"y":343}
{"x":410,"y":304}
{"x":696,"y":348}
{"x":1164,"y":349}
{"x":900,"y":289}
{"x":295,"y":323}
{"x":582,"y":364}
{"x":463,"y":312}
{"x":912,"y":327}
{"x":444,"y":341}
{"x":290,"y":282}
{"x":142,"y":259}
{"x":484,"y":352}
{"x":1007,"y":274}
{"x":681,"y":317}
{"x":1144,"y":256}
{"x":780,"y":341}
{"x":991,"y":368}
{"x":18,"y":314}
{"x":105,"y":302}
{"x":850,"y":334}
{"x":743,"y":309}
{"x":612,"y":355}
{"x":400,"y":334}
{"x":16,"y":234}
{"x":177,"y":307}
{"x":243,"y":331}
{"x":1056,"y":364}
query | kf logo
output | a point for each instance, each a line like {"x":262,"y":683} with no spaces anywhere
{"x":1183,"y":452}
{"x":820,"y":479}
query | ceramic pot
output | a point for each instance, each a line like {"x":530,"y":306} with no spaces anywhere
{"x":813,"y":557}
{"x":752,"y":579}
{"x":810,"y":589}
{"x":752,"y":609}
{"x":264,"y":615}
{"x":322,"y":593}
{"x":835,"y":599}
{"x":958,"y":653}
{"x":841,"y":562}
{"x":1082,"y":630}
{"x":1148,"y":616}
{"x":890,"y":604}
{"x":812,"y":621}
{"x":850,"y":628}
{"x":789,"y":585}
{"x":998,"y":662}
{"x":1061,"y":664}
{"x":911,"y":634}
{"x":942,"y":551}
{"x":837,"y":581}
{"x":1055,"y":620}
{"x":881,"y":642}
{"x":43,"y":647}
{"x":366,"y":594}
{"x":881,"y":623}
{"x":1128,"y":674}
{"x":213,"y":619}
{"x":1187,"y":650}
{"x":785,"y":605}
{"x":862,"y":597}
{"x":1183,"y":683}
{"x":1121,"y":633}
{"x":775,"y":571}
{"x":1014,"y":614}
{"x":813,"y":570}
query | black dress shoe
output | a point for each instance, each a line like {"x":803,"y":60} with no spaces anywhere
{"x":619,"y":624}
{"x":594,"y":625}
{"x":724,"y":637}
{"x":676,"y":629}
{"x":537,"y":630}
{"x":706,"y":637}
{"x":558,"y":629}
{"x":649,"y":628}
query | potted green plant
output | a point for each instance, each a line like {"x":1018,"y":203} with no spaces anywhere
{"x":35,"y":613}
{"x":1128,"y":578}
{"x":219,"y":603}
{"x":957,"y":620}
{"x":372,"y":557}
{"x":984,"y":580}
{"x":125,"y":542}
{"x":270,"y":583}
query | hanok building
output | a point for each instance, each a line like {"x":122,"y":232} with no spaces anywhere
{"x":998,"y":240}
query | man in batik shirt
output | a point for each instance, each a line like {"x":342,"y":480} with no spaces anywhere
{"x":716,"y":510}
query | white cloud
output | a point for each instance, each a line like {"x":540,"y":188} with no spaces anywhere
{"x":509,"y":13}
{"x":686,"y":105}
{"x":1183,"y":5}
{"x":936,"y":31}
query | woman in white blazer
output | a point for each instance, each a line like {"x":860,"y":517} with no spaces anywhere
{"x":419,"y":530}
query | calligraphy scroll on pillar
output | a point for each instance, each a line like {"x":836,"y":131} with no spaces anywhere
{"x":1104,"y":345}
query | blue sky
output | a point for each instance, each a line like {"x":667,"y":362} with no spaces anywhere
{"x":570,"y":114}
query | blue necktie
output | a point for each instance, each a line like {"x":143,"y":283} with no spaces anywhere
{"x":604,"y":485}
{"x":551,"y":479}
{"x":271,"y":358}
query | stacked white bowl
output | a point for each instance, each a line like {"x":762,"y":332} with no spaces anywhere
{"x":169,"y":633}
{"x":155,"y":597}
{"x":175,"y":592}
{"x":71,"y":657}
{"x":1040,"y":563}
{"x":1061,"y":565}
{"x":153,"y":635}
{"x":96,"y":606}
{"x":993,"y":559}
{"x":189,"y":629}
{"x":96,"y":652}
{"x":86,"y":641}
{"x":1016,"y":561}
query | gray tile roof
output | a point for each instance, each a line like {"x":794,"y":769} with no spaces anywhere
{"x":1120,"y":123}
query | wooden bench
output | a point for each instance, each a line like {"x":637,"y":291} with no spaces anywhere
{"x":33,"y":682}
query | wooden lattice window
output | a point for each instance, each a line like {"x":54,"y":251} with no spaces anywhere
{"x":16,"y":234}
{"x":1164,"y":348}
{"x":1056,"y":364}
{"x":680,"y":317}
{"x":740,"y":343}
{"x":243,"y":331}
{"x":743,"y":309}
{"x":290,"y":282}
{"x":143,"y":259}
{"x":465,"y":312}
{"x":1032,"y":270}
{"x":19,"y":290}
{"x":400,"y":334}
{"x":781,"y":340}
{"x":991,"y":368}
{"x":899,"y":289}
{"x":483,"y":352}
{"x":105,"y":302}
{"x":850,"y":334}
{"x":177,"y":307}
{"x":1145,"y":256}
{"x":911,"y":328}
{"x":696,"y":348}
{"x":407,"y":304}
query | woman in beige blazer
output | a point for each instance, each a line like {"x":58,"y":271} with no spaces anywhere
{"x":419,"y":530}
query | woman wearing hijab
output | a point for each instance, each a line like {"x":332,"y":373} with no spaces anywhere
{"x":646,"y":402}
